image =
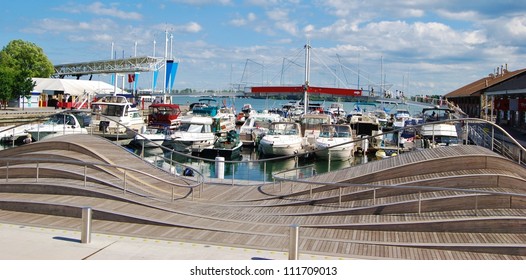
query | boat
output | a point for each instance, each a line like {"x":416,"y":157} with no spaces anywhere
{"x":337,"y":110}
{"x":365,"y":126}
{"x":152,"y":137}
{"x":331,"y":135}
{"x":205,"y":107}
{"x":383,"y":153}
{"x":246,"y":111}
{"x":60,"y":124}
{"x":226,"y":145}
{"x":439,"y":134}
{"x":311,"y":126}
{"x":400,"y":117}
{"x":115,"y":114}
{"x":256,"y":126}
{"x":162,"y":115}
{"x":282,"y":139}
{"x":14,"y":134}
{"x":194,"y":134}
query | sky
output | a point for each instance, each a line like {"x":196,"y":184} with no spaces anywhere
{"x":415,"y":46}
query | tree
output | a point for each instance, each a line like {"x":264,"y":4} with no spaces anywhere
{"x":21,"y":61}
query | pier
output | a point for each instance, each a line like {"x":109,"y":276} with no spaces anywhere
{"x":459,"y":202}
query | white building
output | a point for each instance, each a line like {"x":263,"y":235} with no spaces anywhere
{"x":65,"y":93}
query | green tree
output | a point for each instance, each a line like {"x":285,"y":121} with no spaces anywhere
{"x":21,"y":61}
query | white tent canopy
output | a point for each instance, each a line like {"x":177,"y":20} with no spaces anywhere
{"x":73,"y":87}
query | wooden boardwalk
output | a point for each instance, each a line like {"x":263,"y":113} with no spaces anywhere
{"x":461,"y":202}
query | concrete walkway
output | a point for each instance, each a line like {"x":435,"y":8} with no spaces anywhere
{"x":20,"y":242}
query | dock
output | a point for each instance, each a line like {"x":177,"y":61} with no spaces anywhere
{"x":459,"y":202}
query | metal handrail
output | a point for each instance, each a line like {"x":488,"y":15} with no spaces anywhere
{"x":9,"y":163}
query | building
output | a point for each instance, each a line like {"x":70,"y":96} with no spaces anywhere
{"x":63,"y":93}
{"x":499,"y":97}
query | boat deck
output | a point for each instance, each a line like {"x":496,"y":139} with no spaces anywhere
{"x":462,"y":202}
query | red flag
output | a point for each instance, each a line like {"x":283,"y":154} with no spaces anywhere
{"x":131,"y":78}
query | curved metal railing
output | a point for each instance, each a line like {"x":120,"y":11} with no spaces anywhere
{"x":8,"y":163}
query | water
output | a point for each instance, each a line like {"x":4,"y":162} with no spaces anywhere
{"x":250,"y":167}
{"x":266,"y":104}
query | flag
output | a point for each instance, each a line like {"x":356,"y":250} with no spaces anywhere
{"x":171,"y":70}
{"x":131,"y":78}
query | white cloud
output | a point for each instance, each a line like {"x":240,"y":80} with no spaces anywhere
{"x":459,"y":15}
{"x":98,"y":8}
{"x":190,"y":27}
{"x":516,"y":26}
{"x":240,"y":21}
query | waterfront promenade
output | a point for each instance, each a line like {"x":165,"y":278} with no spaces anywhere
{"x":387,"y":209}
{"x":22,"y":242}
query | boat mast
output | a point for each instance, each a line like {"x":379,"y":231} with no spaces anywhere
{"x":307,"y":74}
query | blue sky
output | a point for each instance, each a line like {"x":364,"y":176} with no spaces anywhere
{"x":418,"y":46}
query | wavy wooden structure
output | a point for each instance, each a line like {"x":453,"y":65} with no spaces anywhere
{"x":462,"y":202}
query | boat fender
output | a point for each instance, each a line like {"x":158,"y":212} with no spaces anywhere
{"x":188,"y":172}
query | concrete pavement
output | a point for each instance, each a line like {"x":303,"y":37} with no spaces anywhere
{"x":19,"y":242}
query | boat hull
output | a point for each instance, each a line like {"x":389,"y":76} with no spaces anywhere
{"x":343,"y":152}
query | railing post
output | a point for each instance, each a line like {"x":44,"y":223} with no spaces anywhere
{"x":374,"y":196}
{"x":419,"y":202}
{"x":264,"y":171}
{"x":329,"y":161}
{"x":85,"y":175}
{"x":339,"y":196}
{"x":7,"y":172}
{"x":173,"y":193}
{"x":124,"y":189}
{"x":85,"y":236}
{"x":492,"y":136}
{"x":466,"y":134}
{"x":233,"y":172}
{"x":294,"y":242}
{"x":38,"y":171}
{"x":476,"y":204}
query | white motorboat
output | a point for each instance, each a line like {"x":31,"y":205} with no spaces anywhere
{"x":193,"y":135}
{"x":311,"y":126}
{"x":337,"y":110}
{"x":60,"y":124}
{"x":115,"y":114}
{"x":256,"y":126}
{"x":151,"y":137}
{"x":246,"y":112}
{"x":400,"y":117}
{"x":439,"y":134}
{"x":335,"y":142}
{"x":282,"y":139}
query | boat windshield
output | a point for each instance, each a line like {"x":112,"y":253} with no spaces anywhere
{"x":109,"y":110}
{"x":61,"y":119}
{"x":261,"y":123}
{"x":192,"y":127}
{"x":434,"y":115}
{"x":335,"y":131}
{"x":283,"y":129}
